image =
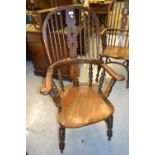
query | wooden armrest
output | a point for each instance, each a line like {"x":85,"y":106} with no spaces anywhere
{"x":111,"y":29}
{"x":115,"y":75}
{"x":48,"y":82}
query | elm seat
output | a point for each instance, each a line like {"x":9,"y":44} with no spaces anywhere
{"x":116,"y":52}
{"x":83,"y":105}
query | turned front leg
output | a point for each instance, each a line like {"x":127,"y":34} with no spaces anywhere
{"x":109,"y":125}
{"x":61,"y":138}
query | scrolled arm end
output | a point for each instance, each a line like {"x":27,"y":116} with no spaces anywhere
{"x":48,"y":84}
{"x":115,"y":75}
{"x":45,"y":90}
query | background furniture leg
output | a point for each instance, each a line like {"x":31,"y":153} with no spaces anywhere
{"x":127,"y":81}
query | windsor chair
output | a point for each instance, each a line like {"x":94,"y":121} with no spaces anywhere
{"x":78,"y":104}
{"x":115,"y":37}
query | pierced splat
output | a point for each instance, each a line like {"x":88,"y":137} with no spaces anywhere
{"x":90,"y":75}
{"x":75,"y":73}
{"x":72,"y":32}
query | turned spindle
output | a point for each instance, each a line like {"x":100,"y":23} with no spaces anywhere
{"x":108,"y":89}
{"x":55,"y":95}
{"x":101,"y":81}
{"x":90,"y":75}
{"x":60,"y":79}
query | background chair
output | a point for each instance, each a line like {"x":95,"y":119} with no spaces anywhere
{"x":100,"y":8}
{"x":115,"y":37}
{"x":75,"y":31}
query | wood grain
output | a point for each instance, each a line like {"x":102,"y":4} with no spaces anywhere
{"x":82,"y":106}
